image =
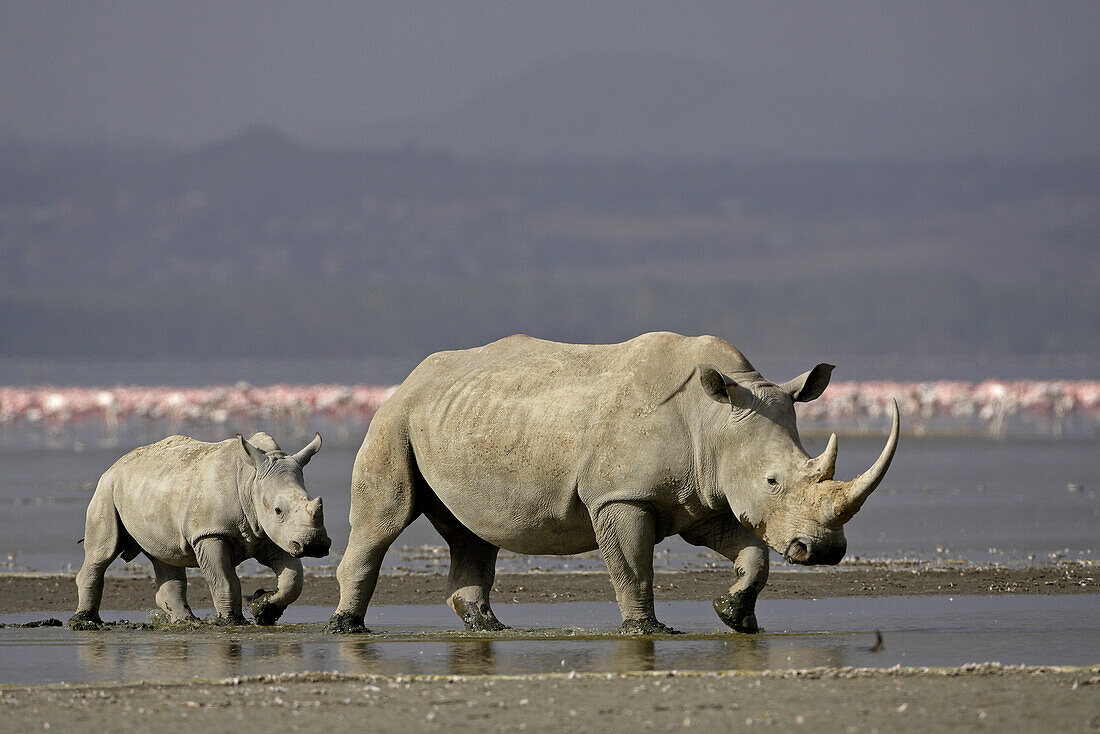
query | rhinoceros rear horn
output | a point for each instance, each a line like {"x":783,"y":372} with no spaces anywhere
{"x":825,"y":464}
{"x":254,"y":454}
{"x":855,"y":493}
{"x":303,"y":456}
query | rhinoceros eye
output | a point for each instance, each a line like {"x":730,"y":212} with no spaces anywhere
{"x":278,"y":511}
{"x":773,"y":480}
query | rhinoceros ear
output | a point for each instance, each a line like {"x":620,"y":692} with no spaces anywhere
{"x":254,"y":454}
{"x":723,"y":389}
{"x":809,"y":386}
{"x":303,"y":456}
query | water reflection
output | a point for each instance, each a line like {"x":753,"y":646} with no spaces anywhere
{"x":634,"y":653}
{"x":471,"y":658}
{"x":953,"y":630}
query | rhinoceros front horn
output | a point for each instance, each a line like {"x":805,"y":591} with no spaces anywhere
{"x":857,"y":491}
{"x":303,"y":456}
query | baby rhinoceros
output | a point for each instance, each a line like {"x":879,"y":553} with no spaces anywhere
{"x":187,"y":503}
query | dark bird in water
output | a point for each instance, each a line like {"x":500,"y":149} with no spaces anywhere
{"x":879,"y":645}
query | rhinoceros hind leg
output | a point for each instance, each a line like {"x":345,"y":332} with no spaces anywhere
{"x":343,"y":623}
{"x":383,"y":483}
{"x":102,"y":545}
{"x":473,"y":570}
{"x":477,"y":616}
{"x":172,"y":591}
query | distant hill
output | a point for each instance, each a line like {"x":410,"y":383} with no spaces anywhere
{"x":654,"y":108}
{"x":144,"y":252}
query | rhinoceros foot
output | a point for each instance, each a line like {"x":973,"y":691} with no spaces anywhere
{"x":83,"y":621}
{"x":738,"y":610}
{"x":343,"y":623}
{"x":646,"y":626}
{"x":230,"y":620}
{"x":476,"y":617}
{"x":263,"y":610}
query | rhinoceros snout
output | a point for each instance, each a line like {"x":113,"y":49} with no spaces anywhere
{"x":806,"y":552}
{"x":314,"y":547}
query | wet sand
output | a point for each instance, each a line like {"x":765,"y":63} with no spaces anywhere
{"x":57,"y":593}
{"x":972,"y":698}
{"x":984,"y":697}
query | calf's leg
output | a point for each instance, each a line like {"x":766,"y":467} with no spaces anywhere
{"x":172,"y":591}
{"x":102,"y":545}
{"x":268,"y":606}
{"x":215,"y":556}
{"x":737,"y":607}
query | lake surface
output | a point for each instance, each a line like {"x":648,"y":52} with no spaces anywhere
{"x":1009,"y":501}
{"x":917,"y":631}
{"x":392,"y":370}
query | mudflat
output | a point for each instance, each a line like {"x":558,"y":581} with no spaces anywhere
{"x":971,"y":698}
{"x":57,"y":593}
{"x":977,"y":697}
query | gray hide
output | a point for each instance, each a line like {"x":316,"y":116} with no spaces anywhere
{"x":187,"y":503}
{"x":547,"y":448}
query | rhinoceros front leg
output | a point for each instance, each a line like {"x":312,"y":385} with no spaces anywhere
{"x":172,"y":591}
{"x":737,"y":607}
{"x":215,"y":556}
{"x":268,"y":606}
{"x":626,"y":534}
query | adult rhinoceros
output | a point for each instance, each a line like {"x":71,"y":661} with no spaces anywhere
{"x":187,"y":503}
{"x":547,"y":448}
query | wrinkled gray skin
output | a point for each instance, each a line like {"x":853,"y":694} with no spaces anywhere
{"x":547,"y":448}
{"x":187,"y":503}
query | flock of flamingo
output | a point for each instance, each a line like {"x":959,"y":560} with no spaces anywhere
{"x":112,"y":415}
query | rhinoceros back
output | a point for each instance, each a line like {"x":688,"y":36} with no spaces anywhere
{"x":507,"y":434}
{"x":174,"y":491}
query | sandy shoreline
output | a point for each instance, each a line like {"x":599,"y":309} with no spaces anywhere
{"x":56,"y":593}
{"x":982,"y":697}
{"x":971,"y":698}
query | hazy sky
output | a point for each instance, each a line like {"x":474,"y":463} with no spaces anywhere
{"x":185,"y":72}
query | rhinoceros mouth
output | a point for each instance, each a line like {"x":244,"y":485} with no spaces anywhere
{"x":314,"y":549}
{"x":805,"y":552}
{"x":798,"y":551}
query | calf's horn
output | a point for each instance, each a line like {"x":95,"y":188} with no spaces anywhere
{"x":854,"y":493}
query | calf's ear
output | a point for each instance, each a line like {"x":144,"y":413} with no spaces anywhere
{"x":722,"y":389}
{"x":254,"y":454}
{"x":810,"y":385}
{"x":303,"y":456}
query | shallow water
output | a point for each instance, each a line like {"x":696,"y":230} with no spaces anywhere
{"x":978,"y":500}
{"x":917,"y":631}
